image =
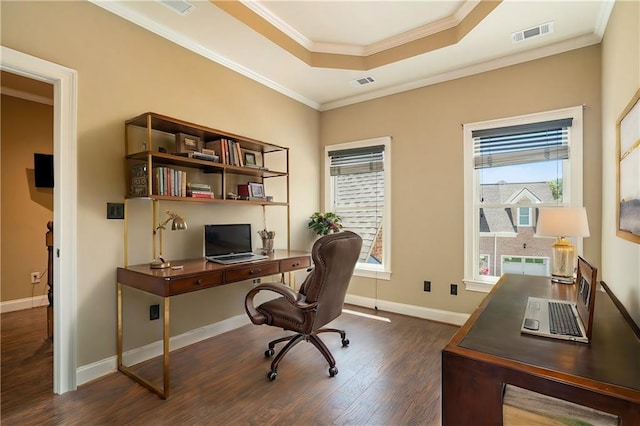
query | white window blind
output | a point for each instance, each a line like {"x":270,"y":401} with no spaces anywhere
{"x":526,"y":143}
{"x":356,"y":160}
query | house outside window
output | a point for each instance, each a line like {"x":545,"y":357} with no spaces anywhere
{"x":513,"y":167}
{"x":524,"y":216}
{"x":358,"y":189}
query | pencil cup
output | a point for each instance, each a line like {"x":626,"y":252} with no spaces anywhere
{"x":267,"y":245}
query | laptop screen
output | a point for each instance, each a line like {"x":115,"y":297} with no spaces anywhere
{"x":585,"y":303}
{"x":227,"y":239}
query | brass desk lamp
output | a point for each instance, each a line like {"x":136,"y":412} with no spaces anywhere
{"x":177,"y":224}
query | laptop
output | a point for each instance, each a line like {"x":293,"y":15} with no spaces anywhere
{"x":229,"y":244}
{"x":540,"y":316}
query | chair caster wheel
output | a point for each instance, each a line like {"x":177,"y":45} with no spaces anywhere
{"x":333,"y":371}
{"x":271,"y":375}
{"x":345,"y":343}
{"x":269,"y":353}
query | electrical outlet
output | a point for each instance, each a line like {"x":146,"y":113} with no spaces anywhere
{"x":35,"y":277}
{"x":154,"y":312}
{"x":256,"y":281}
{"x":454,"y":289}
{"x":427,"y":286}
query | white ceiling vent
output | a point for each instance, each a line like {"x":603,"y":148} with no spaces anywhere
{"x":181,"y":7}
{"x":532,"y":32}
{"x":362,"y":81}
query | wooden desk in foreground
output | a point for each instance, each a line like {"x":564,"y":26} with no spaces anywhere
{"x":489,"y":352}
{"x":195,"y":275}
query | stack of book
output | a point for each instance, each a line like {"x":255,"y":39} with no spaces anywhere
{"x":168,"y":181}
{"x":208,"y":156}
{"x":228,"y":150}
{"x":199,"y":190}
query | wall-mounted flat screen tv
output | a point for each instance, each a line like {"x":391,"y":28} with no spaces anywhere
{"x":43,"y":170}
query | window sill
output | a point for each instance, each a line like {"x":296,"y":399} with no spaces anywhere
{"x":478,"y":286}
{"x":368,"y":273}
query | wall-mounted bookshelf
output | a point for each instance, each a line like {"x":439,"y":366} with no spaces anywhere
{"x":163,"y":153}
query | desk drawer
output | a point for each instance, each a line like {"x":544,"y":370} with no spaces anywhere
{"x":252,"y":271}
{"x":295,"y":263}
{"x":184,"y":285}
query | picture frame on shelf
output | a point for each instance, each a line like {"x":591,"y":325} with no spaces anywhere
{"x":139,"y":186}
{"x":188,"y":143}
{"x":256,"y":190}
{"x":250,"y":159}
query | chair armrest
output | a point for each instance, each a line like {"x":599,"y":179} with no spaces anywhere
{"x":292,"y":297}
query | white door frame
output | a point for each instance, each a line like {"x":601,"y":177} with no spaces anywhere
{"x":65,"y":259}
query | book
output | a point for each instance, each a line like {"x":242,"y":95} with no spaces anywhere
{"x":243,"y":190}
{"x":198,"y":186}
{"x":219,"y":146}
{"x":200,"y":156}
{"x":202,"y":194}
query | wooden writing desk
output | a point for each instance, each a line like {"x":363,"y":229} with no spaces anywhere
{"x":489,"y":352}
{"x":196,"y":274}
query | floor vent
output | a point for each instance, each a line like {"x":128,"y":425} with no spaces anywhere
{"x":181,"y":7}
{"x":363,"y":81}
{"x":532,"y":32}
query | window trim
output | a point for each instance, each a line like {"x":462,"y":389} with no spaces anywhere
{"x":572,"y":195}
{"x":529,"y":216}
{"x":382,"y":271}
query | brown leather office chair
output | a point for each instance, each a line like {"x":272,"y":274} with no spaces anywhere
{"x":318,"y":302}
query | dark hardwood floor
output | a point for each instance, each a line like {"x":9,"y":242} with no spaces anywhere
{"x":389,"y":375}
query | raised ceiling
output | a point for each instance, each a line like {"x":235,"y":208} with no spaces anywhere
{"x":314,"y":50}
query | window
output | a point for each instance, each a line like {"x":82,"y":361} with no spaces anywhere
{"x":513,"y":167}
{"x":358,"y":189}
{"x":524,"y":216}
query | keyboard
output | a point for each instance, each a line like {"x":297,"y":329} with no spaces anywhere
{"x":234,"y":256}
{"x":562,"y":321}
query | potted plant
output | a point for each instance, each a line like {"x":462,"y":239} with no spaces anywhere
{"x":325,"y":223}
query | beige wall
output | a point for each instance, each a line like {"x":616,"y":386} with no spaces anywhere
{"x":124,"y":70}
{"x":27,"y":127}
{"x":427,"y":173}
{"x":620,"y":81}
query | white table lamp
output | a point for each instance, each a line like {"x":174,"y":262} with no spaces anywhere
{"x":562,"y":222}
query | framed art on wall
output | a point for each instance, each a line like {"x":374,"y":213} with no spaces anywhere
{"x":628,"y":171}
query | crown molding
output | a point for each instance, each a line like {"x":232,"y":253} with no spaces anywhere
{"x":561,"y":47}
{"x":361,"y":50}
{"x":197,"y":48}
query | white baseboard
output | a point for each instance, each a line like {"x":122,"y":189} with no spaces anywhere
{"x":26,"y":303}
{"x":447,"y":317}
{"x":89,"y":372}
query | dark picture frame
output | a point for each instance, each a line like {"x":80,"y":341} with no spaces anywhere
{"x":628,"y":169}
{"x":250,"y":159}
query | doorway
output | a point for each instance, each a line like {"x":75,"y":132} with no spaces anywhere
{"x":64,"y":81}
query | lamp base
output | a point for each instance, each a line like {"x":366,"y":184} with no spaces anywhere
{"x":562,"y":280}
{"x":159,"y":264}
{"x":562,"y":261}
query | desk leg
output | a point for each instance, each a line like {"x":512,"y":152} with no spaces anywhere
{"x":163,"y":393}
{"x":165,"y":348}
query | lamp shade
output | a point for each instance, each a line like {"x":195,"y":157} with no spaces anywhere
{"x":178,"y":223}
{"x":562,"y":222}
